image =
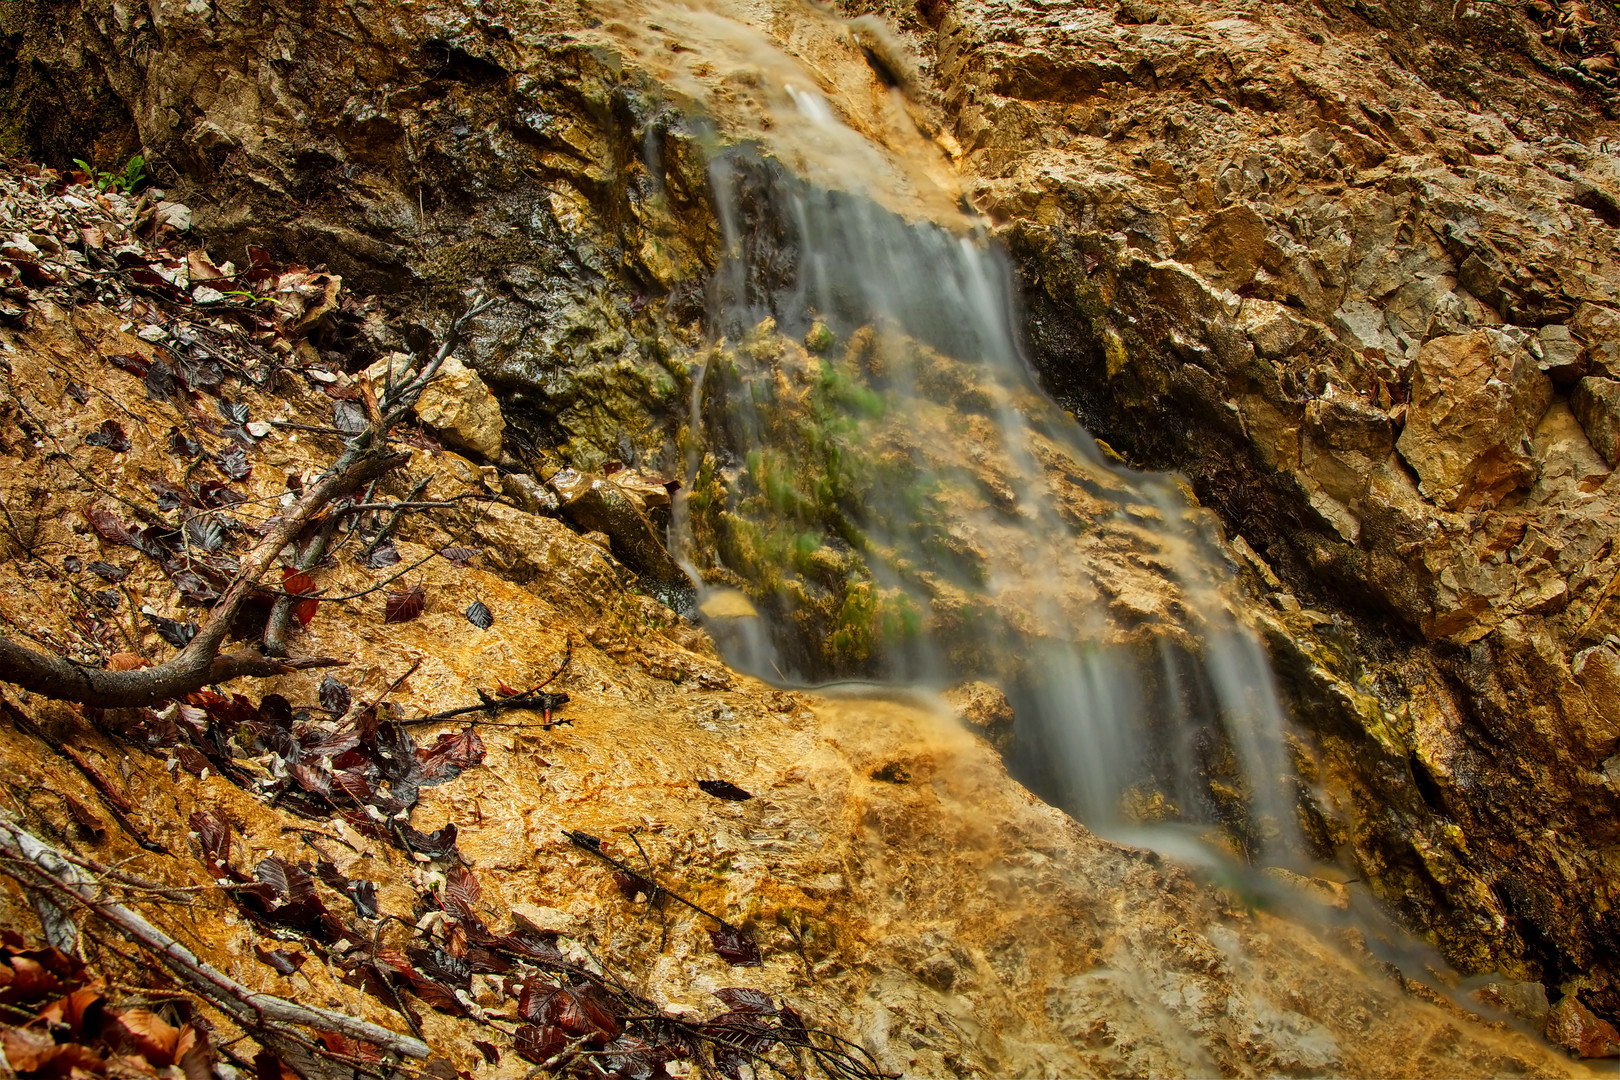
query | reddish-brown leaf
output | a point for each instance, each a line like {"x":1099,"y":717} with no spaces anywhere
{"x":450,"y":754}
{"x":405,"y":606}
{"x":539,"y":1044}
{"x":460,"y":556}
{"x":735,"y":947}
{"x":27,"y":1050}
{"x":746,"y":999}
{"x":724,"y":789}
{"x":349,"y":1048}
{"x":285,"y":961}
{"x":106,"y":523}
{"x":461,"y":894}
{"x":147,"y":1033}
{"x":109,"y":435}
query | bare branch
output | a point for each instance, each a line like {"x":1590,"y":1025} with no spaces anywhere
{"x":55,"y":871}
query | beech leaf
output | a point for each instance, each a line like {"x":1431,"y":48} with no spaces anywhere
{"x":460,"y":556}
{"x":110,"y":435}
{"x":480,"y":615}
{"x":722,"y":789}
{"x":233,"y":462}
{"x":405,"y":606}
{"x":335,"y":696}
{"x":735,"y":947}
{"x":107,"y":525}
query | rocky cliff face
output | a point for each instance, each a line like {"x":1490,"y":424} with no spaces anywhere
{"x":1351,"y":269}
{"x":1355,"y":273}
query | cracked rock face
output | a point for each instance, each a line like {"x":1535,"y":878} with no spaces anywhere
{"x":1352,"y":271}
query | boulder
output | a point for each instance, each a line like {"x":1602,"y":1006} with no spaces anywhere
{"x":528,"y":493}
{"x":623,"y":507}
{"x":456,"y":406}
{"x":1562,"y":357}
{"x":1475,"y":399}
{"x":1573,"y":1025}
{"x":1596,"y":404}
{"x":984,"y":709}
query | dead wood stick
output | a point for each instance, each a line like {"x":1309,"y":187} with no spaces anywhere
{"x":275,"y":628}
{"x":393,"y":522}
{"x":202,"y":977}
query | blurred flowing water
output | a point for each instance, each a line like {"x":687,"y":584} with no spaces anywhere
{"x":878,"y":488}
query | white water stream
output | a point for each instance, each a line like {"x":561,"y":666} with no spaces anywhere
{"x":1098,"y":597}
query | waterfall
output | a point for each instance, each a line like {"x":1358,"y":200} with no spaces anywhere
{"x":879,"y":489}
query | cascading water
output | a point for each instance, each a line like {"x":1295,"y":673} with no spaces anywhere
{"x":878,"y":488}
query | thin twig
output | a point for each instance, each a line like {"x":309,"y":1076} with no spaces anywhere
{"x":393,"y":522}
{"x":219,"y":988}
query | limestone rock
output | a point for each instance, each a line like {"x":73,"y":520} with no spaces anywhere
{"x":985,"y":709}
{"x":1476,"y":398}
{"x":621,"y":510}
{"x":528,"y":493}
{"x":1562,"y":357}
{"x":1596,"y":404}
{"x":456,"y":405}
{"x":1572,"y":1024}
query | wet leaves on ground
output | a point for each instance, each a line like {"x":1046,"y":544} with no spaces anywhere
{"x":404,"y":606}
{"x":724,"y":789}
{"x":110,"y":435}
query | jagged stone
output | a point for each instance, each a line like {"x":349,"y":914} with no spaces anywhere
{"x":621,"y":510}
{"x":1476,"y":398}
{"x":1570,"y":1023}
{"x":985,"y":709}
{"x":457,"y":405}
{"x":1596,"y":404}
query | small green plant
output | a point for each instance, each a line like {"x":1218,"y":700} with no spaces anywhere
{"x":132,"y":176}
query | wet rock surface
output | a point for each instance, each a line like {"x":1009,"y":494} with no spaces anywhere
{"x":1354,"y":272}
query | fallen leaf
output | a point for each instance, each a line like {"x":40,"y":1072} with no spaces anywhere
{"x":735,"y":947}
{"x":110,"y":435}
{"x":405,"y":606}
{"x":539,"y":1044}
{"x":84,"y":817}
{"x":492,"y":1056}
{"x":632,"y":885}
{"x":107,"y":598}
{"x":285,"y":961}
{"x":153,"y":1037}
{"x":233,"y":411}
{"x":384,"y":554}
{"x":745,"y":999}
{"x":460,"y":556}
{"x":451,"y":753}
{"x":349,"y":417}
{"x":335,"y":696}
{"x":108,"y":572}
{"x":182,"y":444}
{"x":123,"y":661}
{"x":107,"y":525}
{"x":78,"y":393}
{"x":722,"y":789}
{"x":134,"y":363}
{"x":233,"y":462}
{"x":160,"y":381}
{"x":206,"y":533}
{"x":178,"y":634}
{"x":480,"y":615}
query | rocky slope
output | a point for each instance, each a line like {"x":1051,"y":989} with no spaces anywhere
{"x":1351,"y":269}
{"x":902,"y":891}
{"x":1355,"y":274}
